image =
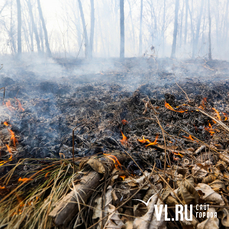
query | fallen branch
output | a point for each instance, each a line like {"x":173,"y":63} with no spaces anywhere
{"x":70,"y":205}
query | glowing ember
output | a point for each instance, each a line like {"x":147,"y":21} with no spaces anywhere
{"x":2,"y":163}
{"x":210,"y":129}
{"x":122,"y":177}
{"x":168,"y":106}
{"x":124,"y":139}
{"x":13,"y":137}
{"x":178,"y":154}
{"x":143,"y":140}
{"x":2,"y":187}
{"x":10,"y":152}
{"x":24,"y":179}
{"x":225,"y":116}
{"x":9,"y":106}
{"x":46,"y":175}
{"x":6,"y":123}
{"x":217,"y":113}
{"x":114,"y":159}
{"x":124,"y":122}
{"x":153,"y":143}
{"x":189,"y":138}
{"x":19,"y":105}
{"x":10,"y":158}
{"x":21,"y":205}
{"x":204,"y":102}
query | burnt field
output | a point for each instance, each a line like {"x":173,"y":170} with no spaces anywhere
{"x":84,"y":144}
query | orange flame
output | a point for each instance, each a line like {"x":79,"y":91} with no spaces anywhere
{"x":2,"y":187}
{"x":24,"y":179}
{"x":114,"y":159}
{"x":178,"y":154}
{"x":10,"y":158}
{"x":124,"y":122}
{"x":204,"y":102}
{"x":6,"y":123}
{"x":20,"y":206}
{"x":225,"y":116}
{"x":122,"y":177}
{"x":189,"y":137}
{"x":19,"y":105}
{"x":143,"y":140}
{"x":13,"y":137}
{"x":168,"y":106}
{"x":9,"y":106}
{"x":210,"y":129}
{"x":217,"y":113}
{"x":10,"y":152}
{"x":46,"y":175}
{"x":153,"y":143}
{"x":124,"y":139}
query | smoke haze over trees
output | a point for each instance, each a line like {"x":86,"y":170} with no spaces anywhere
{"x":115,"y":28}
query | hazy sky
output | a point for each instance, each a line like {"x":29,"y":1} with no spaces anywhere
{"x":66,"y":35}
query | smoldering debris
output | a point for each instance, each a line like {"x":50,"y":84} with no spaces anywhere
{"x":99,"y":154}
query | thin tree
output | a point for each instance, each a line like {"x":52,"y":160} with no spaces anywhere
{"x":92,"y":27}
{"x":186,"y":21}
{"x":140,"y":31}
{"x":175,"y":30}
{"x":19,"y":25}
{"x":44,"y":28}
{"x":163,"y":29}
{"x":122,"y":33}
{"x":196,"y":39}
{"x":3,"y":7}
{"x":84,"y":29}
{"x":34,"y":27}
{"x":209,"y":32}
{"x":226,"y":23}
{"x":132,"y":23}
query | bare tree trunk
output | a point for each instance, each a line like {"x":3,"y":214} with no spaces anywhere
{"x":181,"y":25}
{"x":163,"y":30}
{"x":84,"y":29}
{"x":31,"y":37}
{"x":132,"y":24}
{"x":175,"y":30}
{"x":122,"y":33}
{"x":209,"y":33}
{"x":41,"y":37}
{"x":11,"y":32}
{"x":3,"y":7}
{"x":92,"y":27}
{"x":195,"y":43}
{"x":186,"y":22}
{"x":217,"y":24}
{"x":34,"y":28}
{"x":191,"y":20}
{"x":140,"y":31}
{"x":44,"y":28}
{"x":226,"y":23}
{"x":19,"y":26}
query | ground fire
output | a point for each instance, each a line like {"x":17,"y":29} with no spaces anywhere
{"x":102,"y":154}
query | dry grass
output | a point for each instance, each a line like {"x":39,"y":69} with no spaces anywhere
{"x":29,"y":203}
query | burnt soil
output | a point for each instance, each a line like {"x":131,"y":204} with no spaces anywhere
{"x":103,"y":99}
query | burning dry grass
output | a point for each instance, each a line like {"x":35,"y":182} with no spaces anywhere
{"x":29,"y":203}
{"x":118,"y":197}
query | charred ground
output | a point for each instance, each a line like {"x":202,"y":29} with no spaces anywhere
{"x":124,"y":98}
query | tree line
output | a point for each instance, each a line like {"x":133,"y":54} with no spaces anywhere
{"x":90,"y":28}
